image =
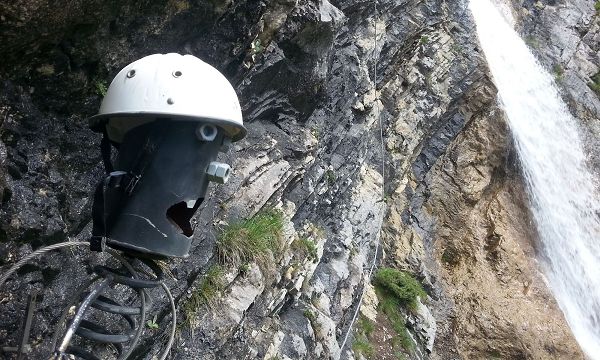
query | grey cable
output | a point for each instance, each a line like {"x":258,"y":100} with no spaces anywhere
{"x":378,"y":115}
{"x":113,"y":253}
{"x":38,"y":252}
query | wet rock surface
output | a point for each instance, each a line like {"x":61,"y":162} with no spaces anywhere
{"x":453,"y":212}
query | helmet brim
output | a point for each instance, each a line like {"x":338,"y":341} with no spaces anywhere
{"x":233,"y":129}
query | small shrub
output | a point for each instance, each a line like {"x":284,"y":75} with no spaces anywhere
{"x":424,"y":40}
{"x":396,"y":289}
{"x":400,"y":285}
{"x":251,"y":240}
{"x":597,"y":7}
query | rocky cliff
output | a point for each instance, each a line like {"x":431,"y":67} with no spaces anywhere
{"x":453,"y":212}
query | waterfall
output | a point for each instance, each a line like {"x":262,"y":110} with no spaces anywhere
{"x":562,"y":190}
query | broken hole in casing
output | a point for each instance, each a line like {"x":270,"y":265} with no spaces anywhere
{"x":181,"y":213}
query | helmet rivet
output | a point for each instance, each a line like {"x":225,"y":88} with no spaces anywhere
{"x":131,"y":73}
{"x":170,"y":101}
{"x":177,"y":73}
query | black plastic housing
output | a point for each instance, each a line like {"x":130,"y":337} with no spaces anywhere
{"x":159,"y":180}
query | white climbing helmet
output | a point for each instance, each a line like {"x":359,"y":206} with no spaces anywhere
{"x":179,"y":87}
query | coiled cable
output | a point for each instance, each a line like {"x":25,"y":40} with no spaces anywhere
{"x":106,"y":277}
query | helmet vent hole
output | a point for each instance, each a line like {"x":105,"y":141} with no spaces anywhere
{"x":177,"y":73}
{"x":131,"y":73}
{"x":180,"y":215}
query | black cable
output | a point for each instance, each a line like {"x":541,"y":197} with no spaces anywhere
{"x":106,"y":277}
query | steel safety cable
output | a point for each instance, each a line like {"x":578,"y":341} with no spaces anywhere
{"x":375,"y":57}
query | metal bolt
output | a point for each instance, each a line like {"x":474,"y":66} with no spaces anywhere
{"x":170,"y":101}
{"x":218,"y":172}
{"x":131,"y":73}
{"x":177,"y":73}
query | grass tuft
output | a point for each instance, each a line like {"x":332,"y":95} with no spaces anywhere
{"x":252,"y":240}
{"x":362,"y":338}
{"x":364,"y":347}
{"x":206,"y":293}
{"x":305,"y":247}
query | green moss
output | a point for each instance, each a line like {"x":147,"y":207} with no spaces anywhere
{"x":597,"y":7}
{"x":424,"y":40}
{"x":205,"y":294}
{"x":251,"y":240}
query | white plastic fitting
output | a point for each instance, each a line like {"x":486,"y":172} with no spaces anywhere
{"x":206,"y":132}
{"x":218,"y":172}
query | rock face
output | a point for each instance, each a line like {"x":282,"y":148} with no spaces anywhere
{"x":453,"y":211}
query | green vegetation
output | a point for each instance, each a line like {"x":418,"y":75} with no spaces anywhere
{"x":152,"y":324}
{"x":309,"y":315}
{"x":362,"y":343}
{"x":424,"y":40}
{"x":244,"y":268}
{"x":399,"y":287}
{"x":206,"y":293}
{"x":251,"y":240}
{"x":532,"y":42}
{"x":305,"y":247}
{"x":597,"y":7}
{"x":330,"y":175}
{"x":101,"y":87}
{"x":396,"y":290}
{"x":558,"y":71}
{"x":595,"y":83}
{"x":360,"y":346}
{"x":312,"y":319}
{"x":451,"y":256}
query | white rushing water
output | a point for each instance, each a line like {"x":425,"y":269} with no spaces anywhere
{"x":562,"y":190}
